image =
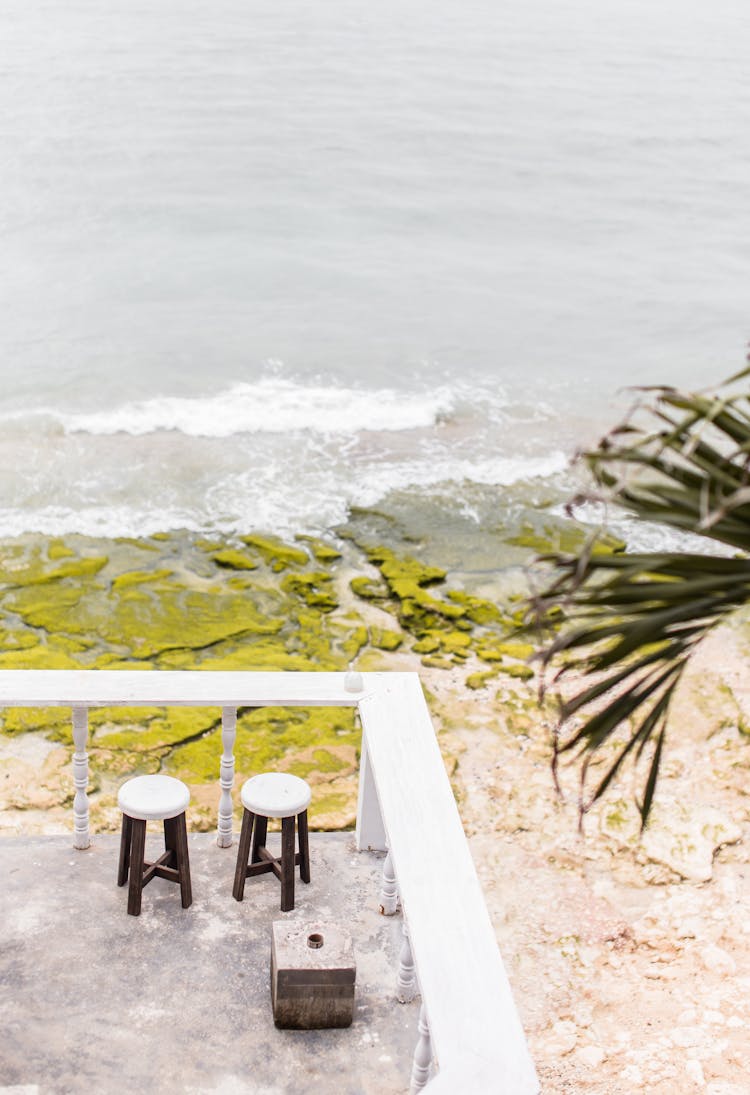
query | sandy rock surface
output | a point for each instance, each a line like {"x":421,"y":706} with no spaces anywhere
{"x":629,"y":959}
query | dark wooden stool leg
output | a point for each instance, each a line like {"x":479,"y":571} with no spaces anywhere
{"x":170,"y":839}
{"x":287,"y":863}
{"x":304,"y":847}
{"x":122,"y":870}
{"x":137,"y":854}
{"x":243,"y":855}
{"x":259,"y":838}
{"x":183,"y":860}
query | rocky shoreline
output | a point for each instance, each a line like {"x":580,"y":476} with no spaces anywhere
{"x":629,"y":958}
{"x":177,"y":601}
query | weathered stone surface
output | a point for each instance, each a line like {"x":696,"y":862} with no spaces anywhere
{"x":562,"y":1038}
{"x":681,"y":835}
{"x":34,"y":774}
{"x":717,"y":960}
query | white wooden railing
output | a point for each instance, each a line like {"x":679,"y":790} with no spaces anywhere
{"x":470,"y":1036}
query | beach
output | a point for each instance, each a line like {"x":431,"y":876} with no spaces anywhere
{"x":307,"y":311}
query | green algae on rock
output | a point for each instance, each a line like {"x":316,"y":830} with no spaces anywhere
{"x":233,"y":559}
{"x":322,"y":551}
{"x":37,"y":573}
{"x":480,"y":680}
{"x":384,"y":638}
{"x":177,"y":601}
{"x":523,"y":672}
{"x":368,"y":589}
{"x":275,"y":552}
{"x":447,"y":625}
{"x":138,"y":577}
{"x":179,"y":607}
{"x":563,"y":536}
{"x":277,"y":738}
{"x":314,"y":588}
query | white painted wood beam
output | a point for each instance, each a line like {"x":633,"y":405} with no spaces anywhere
{"x":473,"y":1022}
{"x":174,"y":688}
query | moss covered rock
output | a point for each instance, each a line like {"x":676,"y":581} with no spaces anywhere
{"x":315,"y":588}
{"x":233,"y":559}
{"x":275,"y":552}
{"x":385,"y":639}
{"x":322,"y":551}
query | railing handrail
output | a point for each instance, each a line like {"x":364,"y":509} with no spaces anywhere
{"x":172,"y":688}
{"x":405,"y":803}
{"x":473,"y":1023}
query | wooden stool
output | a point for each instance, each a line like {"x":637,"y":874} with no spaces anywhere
{"x":153,"y":798}
{"x":273,"y":794}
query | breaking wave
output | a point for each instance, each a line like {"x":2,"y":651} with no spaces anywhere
{"x":268,"y":405}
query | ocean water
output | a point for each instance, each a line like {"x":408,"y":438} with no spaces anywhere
{"x":260,"y":264}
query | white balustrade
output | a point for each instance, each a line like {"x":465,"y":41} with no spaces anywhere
{"x":226,"y":776}
{"x":407,"y":973}
{"x":388,"y":889}
{"x":422,"y":1063}
{"x":81,"y":838}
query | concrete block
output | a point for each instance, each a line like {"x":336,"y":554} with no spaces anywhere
{"x":312,"y":975}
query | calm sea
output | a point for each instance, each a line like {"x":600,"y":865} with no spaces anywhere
{"x":260,"y":262}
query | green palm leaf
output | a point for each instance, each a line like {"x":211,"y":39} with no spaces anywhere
{"x":632,"y":621}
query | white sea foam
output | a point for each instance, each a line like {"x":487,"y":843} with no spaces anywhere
{"x":306,"y":493}
{"x":498,"y":471}
{"x":269,"y":405}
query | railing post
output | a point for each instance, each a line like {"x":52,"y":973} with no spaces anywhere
{"x":81,"y":837}
{"x":407,"y":974}
{"x":226,"y":775}
{"x":389,"y":889}
{"x":420,"y":1072}
{"x":370,"y":832}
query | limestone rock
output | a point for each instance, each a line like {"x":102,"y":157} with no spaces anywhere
{"x":717,"y":960}
{"x":590,"y":1056}
{"x":562,"y":1038}
{"x":684,"y":837}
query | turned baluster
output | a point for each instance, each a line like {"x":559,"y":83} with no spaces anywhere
{"x":389,"y":889}
{"x":226,"y":776}
{"x":420,"y":1072}
{"x":407,"y":974}
{"x":81,"y":837}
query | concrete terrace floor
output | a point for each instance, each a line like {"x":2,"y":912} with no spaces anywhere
{"x":178,"y":1000}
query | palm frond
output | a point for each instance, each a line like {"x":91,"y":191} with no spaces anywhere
{"x":632,"y":621}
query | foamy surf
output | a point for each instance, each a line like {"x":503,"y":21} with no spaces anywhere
{"x":268,"y":405}
{"x":281,"y":487}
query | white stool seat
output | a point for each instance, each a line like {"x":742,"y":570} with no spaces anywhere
{"x":275,"y":794}
{"x":153,"y":798}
